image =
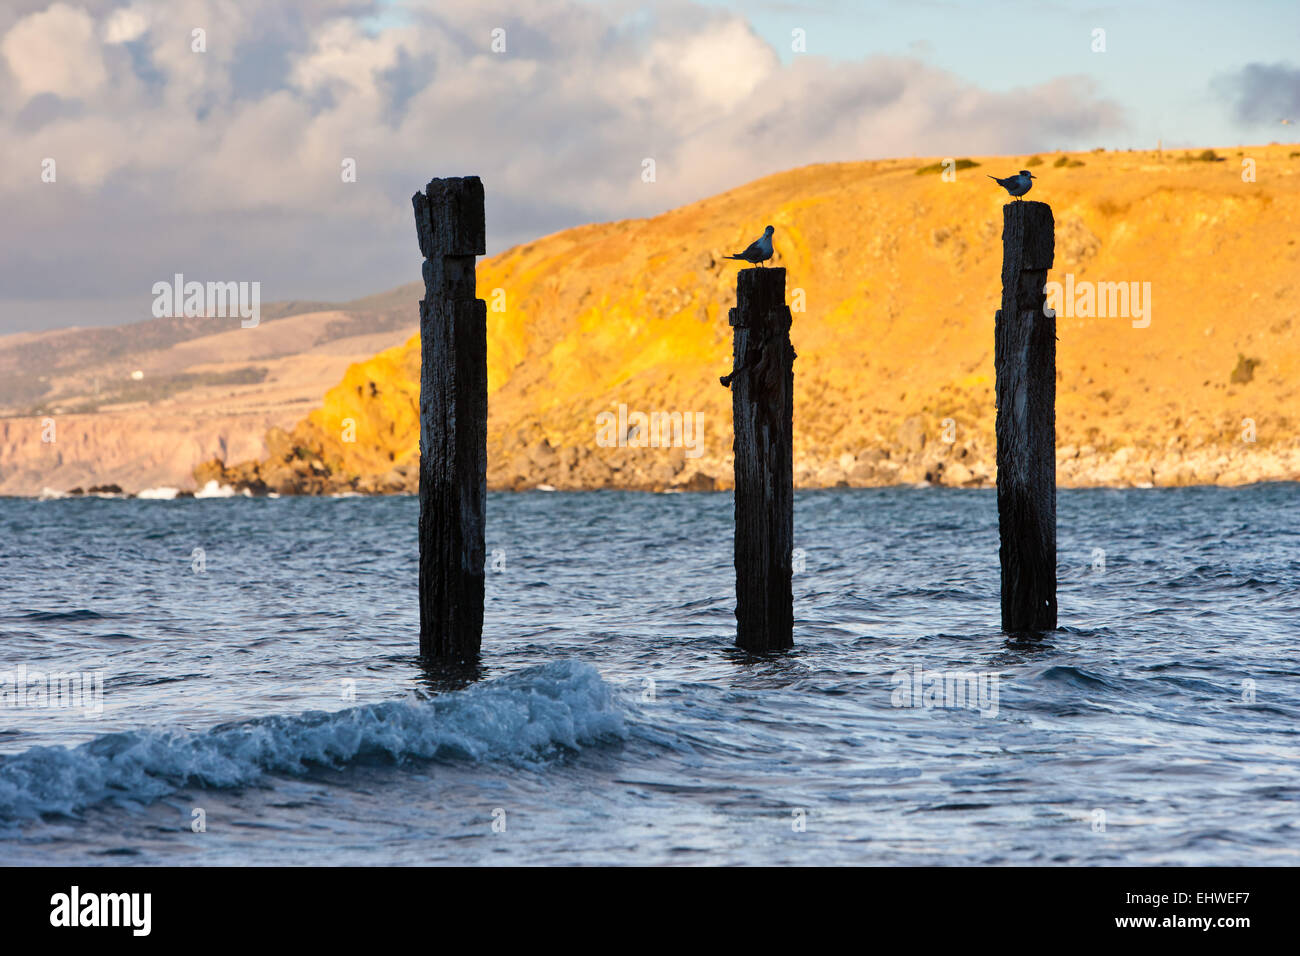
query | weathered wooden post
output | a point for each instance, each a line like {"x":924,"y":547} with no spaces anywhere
{"x":453,"y":418}
{"x":762,"y":408}
{"x":1025,"y":363}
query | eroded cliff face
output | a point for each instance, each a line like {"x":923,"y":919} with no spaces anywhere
{"x":894,"y":277}
{"x":131,"y":450}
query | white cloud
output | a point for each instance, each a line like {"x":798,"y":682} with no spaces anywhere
{"x":55,"y":51}
{"x":344,"y":55}
{"x":722,"y":64}
{"x":125,"y":25}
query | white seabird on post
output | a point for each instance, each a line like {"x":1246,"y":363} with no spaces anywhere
{"x":1018,"y":184}
{"x":759,"y":251}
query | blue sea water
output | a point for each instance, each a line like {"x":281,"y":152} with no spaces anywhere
{"x":260,"y":679}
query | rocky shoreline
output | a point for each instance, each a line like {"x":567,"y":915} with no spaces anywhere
{"x":300,"y":471}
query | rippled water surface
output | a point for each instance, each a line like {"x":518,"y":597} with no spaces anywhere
{"x":611,"y":719}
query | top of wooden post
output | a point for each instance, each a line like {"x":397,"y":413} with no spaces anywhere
{"x":1028,"y":246}
{"x":1028,"y":226}
{"x":449,"y":217}
{"x":760,"y":294}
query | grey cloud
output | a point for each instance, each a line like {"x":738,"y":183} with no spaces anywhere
{"x":45,"y":108}
{"x":1262,"y":92}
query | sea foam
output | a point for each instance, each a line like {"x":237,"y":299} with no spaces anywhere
{"x":163,"y":493}
{"x":526,"y":718}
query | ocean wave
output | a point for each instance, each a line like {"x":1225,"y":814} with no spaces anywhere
{"x":161,"y":493}
{"x":1073,"y":676}
{"x":81,"y":614}
{"x":527,"y":718}
{"x":214,"y":489}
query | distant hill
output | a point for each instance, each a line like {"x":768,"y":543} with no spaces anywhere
{"x":899,"y":273}
{"x":41,"y":369}
{"x":140,"y":405}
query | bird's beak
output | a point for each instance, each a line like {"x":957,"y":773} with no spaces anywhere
{"x":1032,"y":176}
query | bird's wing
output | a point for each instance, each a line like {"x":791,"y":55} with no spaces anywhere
{"x":754,"y":248}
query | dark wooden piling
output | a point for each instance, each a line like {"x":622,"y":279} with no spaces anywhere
{"x":453,"y":418}
{"x":762,"y":407}
{"x":1025,"y":362}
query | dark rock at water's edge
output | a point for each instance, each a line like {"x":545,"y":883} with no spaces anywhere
{"x":112,"y":489}
{"x":923,"y":451}
{"x":291,"y":469}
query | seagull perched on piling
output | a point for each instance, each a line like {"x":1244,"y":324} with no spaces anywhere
{"x":1018,"y":184}
{"x":759,"y":251}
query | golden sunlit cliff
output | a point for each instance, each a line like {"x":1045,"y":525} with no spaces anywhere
{"x":893,"y":278}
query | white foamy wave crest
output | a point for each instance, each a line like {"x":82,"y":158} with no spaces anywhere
{"x":214,"y":489}
{"x":159,"y":494}
{"x":525,"y":718}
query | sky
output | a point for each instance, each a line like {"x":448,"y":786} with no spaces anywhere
{"x":128,"y":154}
